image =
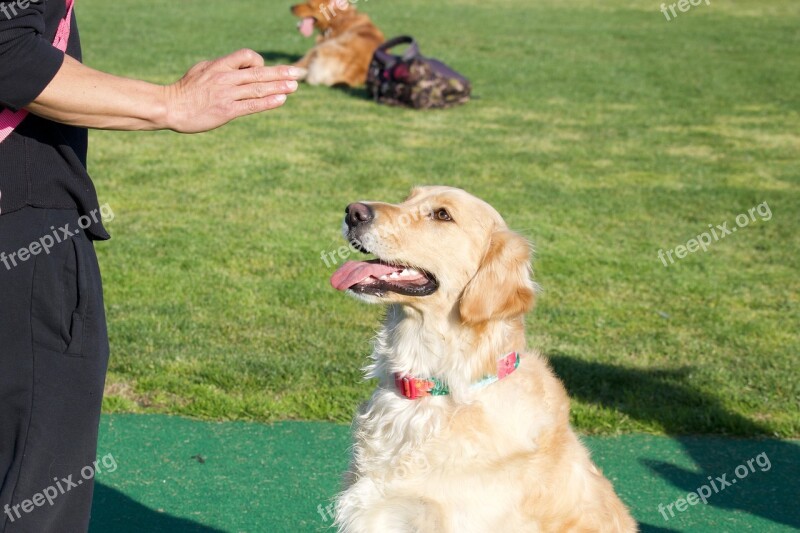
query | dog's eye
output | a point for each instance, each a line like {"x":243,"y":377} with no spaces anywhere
{"x":442,"y":214}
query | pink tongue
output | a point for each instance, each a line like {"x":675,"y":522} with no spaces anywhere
{"x":354,"y":272}
{"x":306,"y":26}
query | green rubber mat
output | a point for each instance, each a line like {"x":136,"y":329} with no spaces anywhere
{"x":177,"y":475}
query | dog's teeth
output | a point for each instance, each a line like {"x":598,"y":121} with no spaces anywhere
{"x":397,"y":274}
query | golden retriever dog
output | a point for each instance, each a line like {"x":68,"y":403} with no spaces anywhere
{"x":344,"y":46}
{"x":467,"y":431}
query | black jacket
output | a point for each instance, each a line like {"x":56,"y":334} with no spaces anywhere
{"x":42,"y":164}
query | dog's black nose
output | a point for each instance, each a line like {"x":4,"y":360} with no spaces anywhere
{"x":357,"y":214}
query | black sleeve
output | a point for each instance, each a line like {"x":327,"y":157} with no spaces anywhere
{"x":28,"y":61}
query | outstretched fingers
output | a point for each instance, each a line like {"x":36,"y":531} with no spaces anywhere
{"x":248,"y":75}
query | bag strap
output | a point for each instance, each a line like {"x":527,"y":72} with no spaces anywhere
{"x":382,"y":52}
{"x":9,"y":120}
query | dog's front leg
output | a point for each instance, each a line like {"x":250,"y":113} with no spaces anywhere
{"x":353,"y":504}
{"x":304,"y":62}
{"x":364,"y":508}
{"x":407,"y":515}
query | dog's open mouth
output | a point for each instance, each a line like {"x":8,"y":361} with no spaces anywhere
{"x":377,"y":277}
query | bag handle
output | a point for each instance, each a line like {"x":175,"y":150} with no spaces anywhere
{"x":382,"y":52}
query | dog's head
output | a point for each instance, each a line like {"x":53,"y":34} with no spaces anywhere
{"x":320,"y":14}
{"x":442,"y":250}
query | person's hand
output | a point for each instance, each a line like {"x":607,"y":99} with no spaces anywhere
{"x":215,"y":92}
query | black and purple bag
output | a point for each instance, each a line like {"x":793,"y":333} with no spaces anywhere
{"x":412,"y":80}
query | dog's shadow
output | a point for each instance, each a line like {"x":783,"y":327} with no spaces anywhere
{"x":658,"y":396}
{"x":272,"y":57}
{"x":355,"y":92}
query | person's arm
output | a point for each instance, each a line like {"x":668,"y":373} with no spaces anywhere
{"x":36,"y":76}
{"x":211,"y":94}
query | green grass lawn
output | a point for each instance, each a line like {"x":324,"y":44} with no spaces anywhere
{"x":600,"y":131}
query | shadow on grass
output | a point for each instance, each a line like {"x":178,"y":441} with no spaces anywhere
{"x":114,"y":511}
{"x":272,"y":57}
{"x":355,"y":92}
{"x":664,"y":398}
{"x":647,"y":528}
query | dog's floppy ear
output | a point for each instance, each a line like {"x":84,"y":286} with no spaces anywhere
{"x":502,"y":287}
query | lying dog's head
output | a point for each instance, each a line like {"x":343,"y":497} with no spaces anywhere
{"x":441,"y":250}
{"x":320,"y":14}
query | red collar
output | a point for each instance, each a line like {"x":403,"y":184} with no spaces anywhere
{"x":415,"y":388}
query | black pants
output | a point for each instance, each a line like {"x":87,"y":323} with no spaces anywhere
{"x":53,"y":360}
